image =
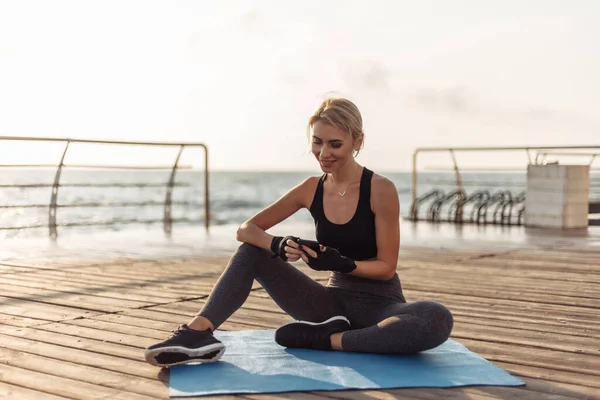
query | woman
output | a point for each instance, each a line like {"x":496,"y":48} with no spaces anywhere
{"x":356,"y":214}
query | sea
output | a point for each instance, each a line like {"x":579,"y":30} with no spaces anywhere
{"x":116,"y":201}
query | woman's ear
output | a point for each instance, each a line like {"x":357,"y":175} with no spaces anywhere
{"x":358,"y":142}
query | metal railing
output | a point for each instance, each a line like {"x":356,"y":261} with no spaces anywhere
{"x":53,"y":205}
{"x":535,"y":155}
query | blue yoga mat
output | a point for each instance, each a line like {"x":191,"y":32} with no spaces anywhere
{"x":254,"y":363}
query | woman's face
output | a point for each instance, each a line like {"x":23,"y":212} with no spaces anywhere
{"x":333,"y":148}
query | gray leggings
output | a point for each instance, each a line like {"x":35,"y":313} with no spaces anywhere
{"x":378,"y":324}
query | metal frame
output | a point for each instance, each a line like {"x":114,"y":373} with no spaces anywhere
{"x":53,"y":206}
{"x":542,"y":152}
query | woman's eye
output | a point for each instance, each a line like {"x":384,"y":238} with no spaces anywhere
{"x":336,"y":146}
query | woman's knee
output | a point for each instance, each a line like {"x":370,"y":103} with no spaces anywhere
{"x":248,"y":256}
{"x":437,"y":315}
{"x":248,"y":250}
{"x":436,"y":322}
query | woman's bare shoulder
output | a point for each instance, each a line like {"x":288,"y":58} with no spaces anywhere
{"x":308,"y":188}
{"x":383,"y":190}
{"x":382,"y":185}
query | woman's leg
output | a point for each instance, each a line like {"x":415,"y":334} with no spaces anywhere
{"x":401,"y":328}
{"x":296,"y":293}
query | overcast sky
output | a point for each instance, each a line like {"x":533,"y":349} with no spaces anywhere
{"x":244,"y":76}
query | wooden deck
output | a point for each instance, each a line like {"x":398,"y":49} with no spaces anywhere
{"x":74,"y":325}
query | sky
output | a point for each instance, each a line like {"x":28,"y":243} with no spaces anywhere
{"x":243,"y":77}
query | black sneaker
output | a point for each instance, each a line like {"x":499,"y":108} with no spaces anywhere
{"x":185,"y":346}
{"x":311,"y":335}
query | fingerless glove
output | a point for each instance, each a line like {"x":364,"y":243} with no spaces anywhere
{"x":331,"y":260}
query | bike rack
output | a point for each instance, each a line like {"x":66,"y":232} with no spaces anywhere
{"x":505,"y":204}
{"x":502,"y":205}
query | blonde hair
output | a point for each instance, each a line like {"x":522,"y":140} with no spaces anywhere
{"x":342,"y":114}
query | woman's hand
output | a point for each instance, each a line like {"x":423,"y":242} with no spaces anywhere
{"x":286,"y":248}
{"x":308,"y":252}
{"x":328,"y":259}
{"x":293,"y":251}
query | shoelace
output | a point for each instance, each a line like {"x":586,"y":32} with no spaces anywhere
{"x":179,"y":331}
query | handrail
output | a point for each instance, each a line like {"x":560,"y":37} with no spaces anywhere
{"x":91,"y":166}
{"x":459,"y":184}
{"x":544,"y":154}
{"x":53,"y":206}
{"x":94,"y":141}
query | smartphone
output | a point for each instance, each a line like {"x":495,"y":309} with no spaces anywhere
{"x":311,"y":244}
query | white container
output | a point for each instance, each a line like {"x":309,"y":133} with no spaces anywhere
{"x":557,"y":196}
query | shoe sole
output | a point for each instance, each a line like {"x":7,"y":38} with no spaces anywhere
{"x":194,"y":355}
{"x":282,"y":334}
{"x":336,"y":318}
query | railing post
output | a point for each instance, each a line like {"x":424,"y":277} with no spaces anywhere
{"x":413,"y":189}
{"x":168,"y":219}
{"x":206,"y":190}
{"x":54,"y":196}
{"x":459,"y":186}
{"x":528,"y":155}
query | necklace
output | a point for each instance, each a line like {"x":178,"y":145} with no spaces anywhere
{"x":342,"y":194}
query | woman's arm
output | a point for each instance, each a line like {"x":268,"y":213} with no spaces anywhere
{"x":386,"y":206}
{"x":253,"y":231}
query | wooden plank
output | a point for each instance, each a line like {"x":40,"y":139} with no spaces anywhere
{"x":288,"y":395}
{"x":541,"y":265}
{"x":568,"y":319}
{"x":118,"y":328}
{"x":564,"y":389}
{"x":478,"y":291}
{"x":7,"y":320}
{"x":483,"y":393}
{"x":580,"y":379}
{"x":415,"y":267}
{"x":517,"y":324}
{"x":238,"y":318}
{"x":89,"y":287}
{"x":523,"y":337}
{"x":510,"y":283}
{"x":98,"y":376}
{"x":405,"y":393}
{"x":98,"y":334}
{"x":243,"y":315}
{"x":151,"y":318}
{"x":127,"y":320}
{"x":9,"y":269}
{"x":175,"y":285}
{"x":136,"y":367}
{"x":77,"y":342}
{"x":60,"y":386}
{"x":518,"y":305}
{"x":153,"y":271}
{"x":543,"y":358}
{"x":71,"y":299}
{"x":92,"y":299}
{"x":157,"y":319}
{"x":34,"y":309}
{"x":13,"y":392}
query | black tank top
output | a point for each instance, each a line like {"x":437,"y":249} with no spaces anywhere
{"x":355,"y":239}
